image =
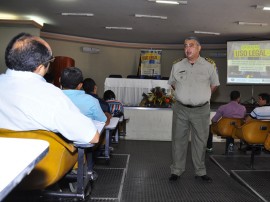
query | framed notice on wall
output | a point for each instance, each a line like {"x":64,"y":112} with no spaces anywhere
{"x":150,"y":64}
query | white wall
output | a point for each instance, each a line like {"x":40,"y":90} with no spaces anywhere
{"x":124,"y":61}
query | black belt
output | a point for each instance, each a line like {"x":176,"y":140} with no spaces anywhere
{"x":193,"y":106}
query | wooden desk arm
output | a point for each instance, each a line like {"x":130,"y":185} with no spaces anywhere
{"x":82,"y":145}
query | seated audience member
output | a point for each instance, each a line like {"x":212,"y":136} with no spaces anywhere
{"x":90,"y":87}
{"x":233,"y":109}
{"x":116,"y":107}
{"x":263,"y":110}
{"x":71,"y":82}
{"x":28,"y":102}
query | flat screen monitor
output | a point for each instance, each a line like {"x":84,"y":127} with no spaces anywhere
{"x":248,"y":62}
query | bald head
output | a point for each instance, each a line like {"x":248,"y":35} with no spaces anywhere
{"x":26,"y":52}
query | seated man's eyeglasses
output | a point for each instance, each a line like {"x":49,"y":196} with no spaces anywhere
{"x":48,"y":62}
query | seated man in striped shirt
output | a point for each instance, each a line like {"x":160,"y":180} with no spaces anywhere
{"x":263,"y":110}
{"x":116,"y":107}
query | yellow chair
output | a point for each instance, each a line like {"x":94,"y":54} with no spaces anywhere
{"x":254,"y":134}
{"x":56,"y":165}
{"x":267,"y":142}
{"x":225,"y":126}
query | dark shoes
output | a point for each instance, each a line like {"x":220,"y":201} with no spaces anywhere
{"x":93,"y":175}
{"x":209,"y":150}
{"x":204,"y":178}
{"x":173,"y":177}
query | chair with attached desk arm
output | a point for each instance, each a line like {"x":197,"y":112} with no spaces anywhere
{"x":225,"y":127}
{"x":55,"y":167}
{"x":109,"y":130}
{"x":254,"y":134}
{"x":122,"y":125}
{"x":267,"y":142}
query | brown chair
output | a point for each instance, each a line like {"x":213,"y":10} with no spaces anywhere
{"x":55,"y":166}
{"x":267,"y":142}
{"x":254,"y":134}
{"x":225,"y":126}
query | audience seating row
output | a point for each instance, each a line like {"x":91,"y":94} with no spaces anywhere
{"x":59,"y":161}
{"x":111,"y":129}
{"x":255,"y":133}
{"x":136,"y":77}
{"x":116,"y":128}
{"x":55,"y":171}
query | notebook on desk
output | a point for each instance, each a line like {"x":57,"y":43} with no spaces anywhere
{"x":99,"y":125}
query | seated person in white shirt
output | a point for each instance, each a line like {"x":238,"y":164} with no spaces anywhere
{"x":28,"y":102}
{"x":71,"y":81}
{"x":263,"y":110}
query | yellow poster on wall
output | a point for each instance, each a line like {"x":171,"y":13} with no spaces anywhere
{"x":151,"y":63}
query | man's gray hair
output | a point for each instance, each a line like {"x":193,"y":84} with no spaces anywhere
{"x":193,"y":38}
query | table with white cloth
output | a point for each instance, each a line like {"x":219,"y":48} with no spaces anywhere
{"x":129,"y":91}
{"x":152,"y":124}
{"x":18,"y":158}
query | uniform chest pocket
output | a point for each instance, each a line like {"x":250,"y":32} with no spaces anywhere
{"x":181,"y":76}
{"x":201,"y":77}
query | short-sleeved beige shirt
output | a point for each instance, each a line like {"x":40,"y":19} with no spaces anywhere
{"x":192,"y":82}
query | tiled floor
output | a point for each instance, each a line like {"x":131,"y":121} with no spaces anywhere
{"x":148,"y":172}
{"x":139,"y":171}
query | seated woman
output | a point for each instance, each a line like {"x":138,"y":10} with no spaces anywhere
{"x":116,"y":107}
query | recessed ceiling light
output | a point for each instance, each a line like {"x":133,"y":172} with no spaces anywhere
{"x":265,"y":8}
{"x":151,"y":16}
{"x":203,"y":32}
{"x":252,"y":23}
{"x":37,"y":19}
{"x":8,"y":16}
{"x":78,"y":14}
{"x":169,"y":2}
{"x":120,"y":28}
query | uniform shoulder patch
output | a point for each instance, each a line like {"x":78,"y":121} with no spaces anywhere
{"x":178,"y":60}
{"x":211,"y":61}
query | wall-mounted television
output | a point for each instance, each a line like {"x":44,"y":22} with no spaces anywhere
{"x":248,"y":62}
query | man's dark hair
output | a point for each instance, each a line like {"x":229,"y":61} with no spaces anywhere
{"x":265,"y":96}
{"x":193,"y":38}
{"x":71,"y":77}
{"x":25,"y":53}
{"x":108,"y":95}
{"x":235,"y":95}
{"x":89,"y":85}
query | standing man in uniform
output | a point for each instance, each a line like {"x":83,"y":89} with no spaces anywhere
{"x":194,"y":79}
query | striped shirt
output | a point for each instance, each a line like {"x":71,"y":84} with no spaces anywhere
{"x":116,"y":107}
{"x":261,"y":112}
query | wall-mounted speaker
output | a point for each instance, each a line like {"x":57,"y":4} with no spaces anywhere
{"x":90,"y":50}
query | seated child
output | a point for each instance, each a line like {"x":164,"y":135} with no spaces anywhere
{"x":116,"y":107}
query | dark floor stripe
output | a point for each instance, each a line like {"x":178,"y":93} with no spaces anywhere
{"x":257,"y":181}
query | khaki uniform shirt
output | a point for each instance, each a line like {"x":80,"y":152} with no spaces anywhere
{"x":192,"y":82}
